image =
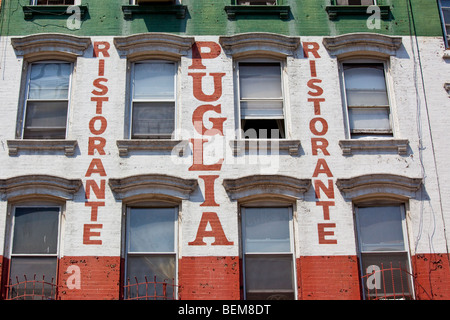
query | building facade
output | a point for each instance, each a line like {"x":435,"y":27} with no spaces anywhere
{"x":197,"y":149}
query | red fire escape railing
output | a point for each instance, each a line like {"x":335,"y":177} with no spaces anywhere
{"x":393,"y":282}
{"x":150,"y":290}
{"x":31,"y":289}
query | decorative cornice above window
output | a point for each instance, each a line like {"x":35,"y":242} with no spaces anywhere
{"x":351,"y":146}
{"x":335,"y":11}
{"x":45,"y":45}
{"x":129,"y":11}
{"x":62,"y":11}
{"x":362,"y":43}
{"x":175,"y":146}
{"x":266,"y":185}
{"x":39,"y":185}
{"x":265,"y":146}
{"x":67,"y":146}
{"x":148,"y":185}
{"x":447,"y":88}
{"x":281,"y":11}
{"x":373,"y":184}
{"x":153,"y":44}
{"x":259,"y":43}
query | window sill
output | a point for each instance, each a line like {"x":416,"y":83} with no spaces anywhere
{"x":336,"y":11}
{"x":349,"y":147}
{"x":158,"y":145}
{"x":130,"y":10}
{"x":240,"y":146}
{"x":31,"y":12}
{"x":68,"y":146}
{"x":281,"y":11}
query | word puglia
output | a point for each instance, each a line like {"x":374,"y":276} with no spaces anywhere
{"x":207,"y":50}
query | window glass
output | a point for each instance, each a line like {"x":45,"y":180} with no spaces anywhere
{"x":153,"y":105}
{"x":384,"y":257}
{"x":151,"y":253}
{"x":381,"y":228}
{"x":151,"y":230}
{"x":268,"y":254}
{"x":256,"y":2}
{"x":47,"y":101}
{"x":154,"y":81}
{"x":267,"y":230}
{"x":35,"y":231}
{"x":261,"y":100}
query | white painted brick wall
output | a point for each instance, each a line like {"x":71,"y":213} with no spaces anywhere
{"x":425,"y":219}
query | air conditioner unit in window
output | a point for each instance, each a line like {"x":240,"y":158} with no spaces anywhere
{"x":153,"y":1}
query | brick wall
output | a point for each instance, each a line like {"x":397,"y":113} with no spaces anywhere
{"x":209,"y":278}
{"x":328,"y":278}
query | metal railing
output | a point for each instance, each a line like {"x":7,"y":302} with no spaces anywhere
{"x":34,"y":289}
{"x":150,"y":290}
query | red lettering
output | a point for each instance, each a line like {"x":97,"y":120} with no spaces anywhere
{"x":316,"y":102}
{"x":322,"y":233}
{"x":99,"y":191}
{"x":96,"y":167}
{"x":312,"y":67}
{"x":216,"y":231}
{"x":329,"y":191}
{"x":197,"y":120}
{"x":96,"y":143}
{"x":209,"y":191}
{"x":312,"y":85}
{"x":94,"y":208}
{"x":104,"y":50}
{"x":101,"y":68}
{"x":326,"y":208}
{"x":198,"y":54}
{"x":197,"y":157}
{"x":198,"y":86}
{"x":313,"y":127}
{"x":87,"y":234}
{"x":311,"y":47}
{"x":322,"y":168}
{"x":315,"y":146}
{"x":99,"y":106}
{"x":103,"y":88}
{"x":103,"y":125}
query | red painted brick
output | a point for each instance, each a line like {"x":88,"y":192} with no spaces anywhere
{"x":209,"y":278}
{"x":328,"y":278}
{"x":432,"y":276}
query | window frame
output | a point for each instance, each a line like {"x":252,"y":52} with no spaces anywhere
{"x":126,"y":242}
{"x":175,"y":99}
{"x":444,"y":24}
{"x":283,"y":86}
{"x":405,"y":234}
{"x":291,"y":225}
{"x":10,"y":230}
{"x":366,"y":134}
{"x":25,"y":94}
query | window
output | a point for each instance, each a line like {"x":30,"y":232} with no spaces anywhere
{"x":384,"y":255}
{"x":34,"y":253}
{"x":52,"y":2}
{"x":151,"y":240}
{"x":261,"y":100}
{"x":47,"y":100}
{"x":355,"y":2}
{"x":445,"y":14}
{"x":268,"y":257}
{"x":367,"y":100}
{"x":153,"y":100}
{"x":257,"y":2}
